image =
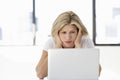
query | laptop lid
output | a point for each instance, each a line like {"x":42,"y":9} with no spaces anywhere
{"x":73,"y":64}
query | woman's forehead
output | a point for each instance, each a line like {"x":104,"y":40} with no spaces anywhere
{"x":68,"y":26}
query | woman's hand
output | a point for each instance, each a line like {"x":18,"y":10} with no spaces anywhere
{"x":78,"y":40}
{"x":58,"y":43}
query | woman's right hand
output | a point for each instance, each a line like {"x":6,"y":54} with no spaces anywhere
{"x":58,"y":43}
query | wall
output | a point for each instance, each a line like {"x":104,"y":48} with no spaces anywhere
{"x":109,"y":60}
{"x":18,"y":62}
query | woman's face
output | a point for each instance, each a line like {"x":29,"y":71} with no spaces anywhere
{"x":68,"y":35}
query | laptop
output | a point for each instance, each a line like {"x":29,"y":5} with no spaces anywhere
{"x":73,"y":64}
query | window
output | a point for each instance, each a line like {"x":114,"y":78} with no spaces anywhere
{"x":16,"y":22}
{"x":106,"y":22}
{"x":48,"y":10}
{"x":16,"y":19}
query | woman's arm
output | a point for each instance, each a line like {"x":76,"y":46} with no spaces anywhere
{"x":100,"y":69}
{"x":42,"y":66}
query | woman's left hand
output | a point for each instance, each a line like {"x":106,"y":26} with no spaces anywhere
{"x":58,"y":41}
{"x":78,"y":40}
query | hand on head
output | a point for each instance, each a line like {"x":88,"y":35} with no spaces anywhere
{"x":78,"y":40}
{"x":58,"y":41}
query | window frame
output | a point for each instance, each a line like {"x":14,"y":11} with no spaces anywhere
{"x":95,"y":27}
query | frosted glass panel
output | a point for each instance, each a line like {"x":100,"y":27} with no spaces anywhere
{"x":107,"y":21}
{"x":15,"y":22}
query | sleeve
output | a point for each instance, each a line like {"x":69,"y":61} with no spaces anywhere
{"x":87,"y":43}
{"x":49,"y":44}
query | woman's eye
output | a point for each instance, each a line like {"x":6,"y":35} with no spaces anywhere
{"x":73,"y":32}
{"x":63,"y":32}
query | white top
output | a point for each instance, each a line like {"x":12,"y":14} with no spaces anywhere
{"x":86,"y":43}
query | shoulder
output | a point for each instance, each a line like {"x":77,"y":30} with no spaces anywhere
{"x":50,"y":43}
{"x":50,"y":40}
{"x":87,"y":42}
{"x":86,"y":37}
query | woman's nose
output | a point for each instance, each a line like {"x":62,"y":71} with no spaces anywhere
{"x":68,"y":36}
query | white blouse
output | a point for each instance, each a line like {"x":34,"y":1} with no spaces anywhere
{"x":86,"y":43}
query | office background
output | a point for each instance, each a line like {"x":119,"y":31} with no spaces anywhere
{"x":22,"y":38}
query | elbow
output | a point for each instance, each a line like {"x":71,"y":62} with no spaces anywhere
{"x":40,"y":76}
{"x":39,"y":73}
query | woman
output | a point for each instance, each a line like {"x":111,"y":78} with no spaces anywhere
{"x":67,"y":32}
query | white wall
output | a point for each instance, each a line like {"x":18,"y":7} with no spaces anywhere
{"x":109,"y":60}
{"x":18,"y":62}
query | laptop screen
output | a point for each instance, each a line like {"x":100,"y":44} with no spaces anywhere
{"x":73,"y":64}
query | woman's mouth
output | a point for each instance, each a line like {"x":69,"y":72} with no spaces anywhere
{"x":68,"y":41}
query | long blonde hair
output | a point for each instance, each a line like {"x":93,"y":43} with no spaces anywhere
{"x":68,"y":17}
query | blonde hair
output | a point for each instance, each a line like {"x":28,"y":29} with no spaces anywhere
{"x":68,"y":17}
